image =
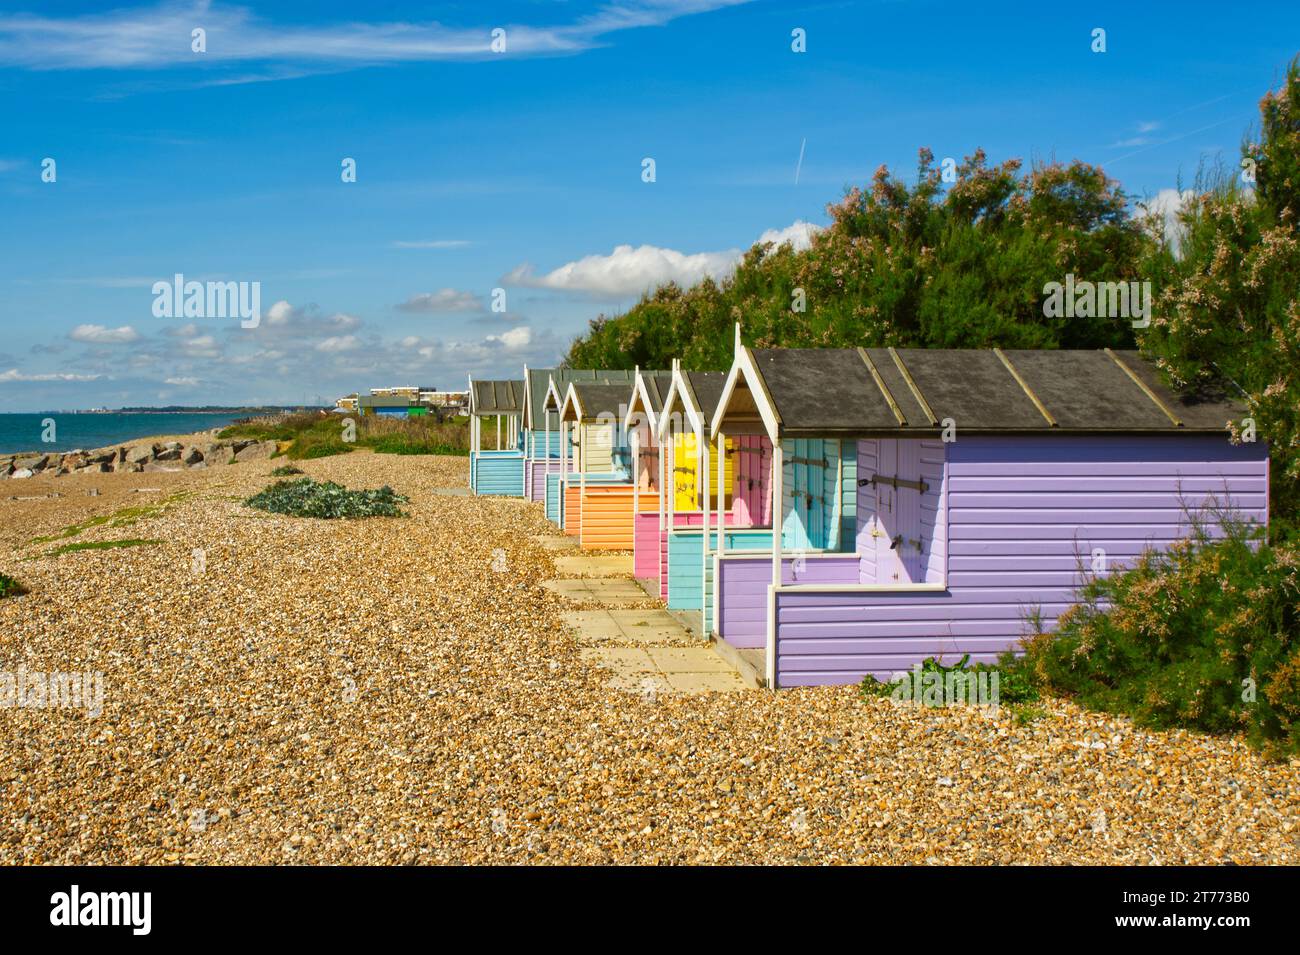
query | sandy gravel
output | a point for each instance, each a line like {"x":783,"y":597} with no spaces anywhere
{"x":335,"y":692}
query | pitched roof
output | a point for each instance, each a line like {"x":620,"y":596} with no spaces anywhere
{"x":590,"y":399}
{"x":696,"y":394}
{"x":867,"y":391}
{"x":497,"y":397}
{"x":561,"y":378}
{"x":649,"y":392}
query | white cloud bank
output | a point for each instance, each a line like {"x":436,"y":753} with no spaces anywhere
{"x":444,"y":300}
{"x":101,"y":335}
{"x":629,"y":271}
{"x":13,"y":374}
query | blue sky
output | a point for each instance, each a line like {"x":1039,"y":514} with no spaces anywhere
{"x":520,"y":170}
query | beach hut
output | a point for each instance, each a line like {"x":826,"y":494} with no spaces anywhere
{"x":650,"y":389}
{"x":694,"y":470}
{"x":550,"y":468}
{"x":541,"y":431}
{"x":598,"y":493}
{"x":987,"y":484}
{"x":499,"y":471}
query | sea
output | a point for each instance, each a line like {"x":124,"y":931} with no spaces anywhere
{"x":72,"y":431}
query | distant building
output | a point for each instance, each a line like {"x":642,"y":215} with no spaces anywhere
{"x":447,"y":400}
{"x":393,"y":406}
{"x":405,"y":400}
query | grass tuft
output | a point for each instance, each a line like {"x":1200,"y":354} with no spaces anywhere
{"x":10,"y":587}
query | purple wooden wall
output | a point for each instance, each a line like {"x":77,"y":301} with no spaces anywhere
{"x":535,"y":471}
{"x":1022,"y":512}
{"x":743,"y":584}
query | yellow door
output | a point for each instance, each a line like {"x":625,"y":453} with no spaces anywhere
{"x":686,"y":478}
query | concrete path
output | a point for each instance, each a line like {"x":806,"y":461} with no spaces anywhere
{"x":646,"y":651}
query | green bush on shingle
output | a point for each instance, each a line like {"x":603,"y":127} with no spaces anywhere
{"x":325,"y":499}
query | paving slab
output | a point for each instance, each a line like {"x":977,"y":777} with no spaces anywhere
{"x":688,"y":660}
{"x":595,"y":565}
{"x":595,"y":625}
{"x":628,"y":659}
{"x":596,"y":590}
{"x":625,"y":626}
{"x":556,"y":542}
{"x":727,"y":682}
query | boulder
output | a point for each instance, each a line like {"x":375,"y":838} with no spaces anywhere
{"x":256,"y":451}
{"x":97,"y":467}
{"x":191,"y":457}
{"x":31,"y":462}
{"x":172,"y":445}
{"x":71,"y":461}
{"x":139,"y":454}
{"x":168,"y":454}
{"x":102,"y":456}
{"x":22,"y":473}
{"x":216,"y":452}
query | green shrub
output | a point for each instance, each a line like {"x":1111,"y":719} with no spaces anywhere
{"x":1203,"y":636}
{"x":1015,"y":681}
{"x":308,"y":498}
{"x":286,"y":470}
{"x":10,"y":587}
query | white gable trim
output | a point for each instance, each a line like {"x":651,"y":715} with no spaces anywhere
{"x":744,"y":365}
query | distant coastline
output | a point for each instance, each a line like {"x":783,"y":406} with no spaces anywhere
{"x":240,"y":410}
{"x":51,"y":431}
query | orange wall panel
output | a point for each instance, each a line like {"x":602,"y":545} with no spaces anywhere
{"x":607,"y":518}
{"x":572,"y":509}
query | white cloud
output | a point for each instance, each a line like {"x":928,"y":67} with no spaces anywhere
{"x":444,"y":300}
{"x":285,"y":320}
{"x":519,"y":337}
{"x":1167,"y":204}
{"x":159,"y":36}
{"x":13,"y":374}
{"x":182,"y":382}
{"x":338,"y":343}
{"x":629,"y":271}
{"x":798,"y":234}
{"x":101,"y":335}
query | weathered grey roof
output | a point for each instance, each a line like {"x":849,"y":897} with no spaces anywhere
{"x":564,"y":376}
{"x":706,"y":386}
{"x":536,"y":381}
{"x":497,"y":397}
{"x":657,"y":386}
{"x":883,"y":390}
{"x":598,"y":398}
